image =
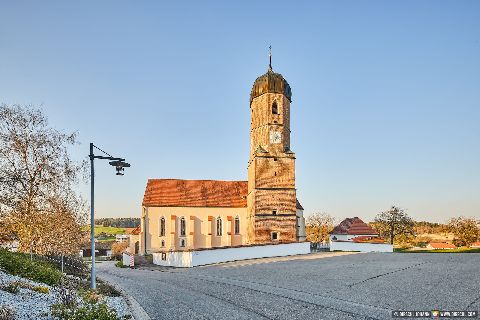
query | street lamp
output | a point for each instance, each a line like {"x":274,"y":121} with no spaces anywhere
{"x":119,"y":164}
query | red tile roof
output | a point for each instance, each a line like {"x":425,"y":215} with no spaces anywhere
{"x":136,"y":230}
{"x":475,"y":245}
{"x":368,"y":239}
{"x":133,"y":231}
{"x":441,"y":245}
{"x":195,"y":193}
{"x":354,"y":226}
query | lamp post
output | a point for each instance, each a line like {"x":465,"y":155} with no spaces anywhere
{"x":119,"y":164}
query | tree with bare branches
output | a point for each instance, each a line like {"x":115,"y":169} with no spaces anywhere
{"x":319,"y":226}
{"x":394,"y":223}
{"x":466,"y":230}
{"x":38,"y":179}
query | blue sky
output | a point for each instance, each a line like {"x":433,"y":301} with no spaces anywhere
{"x":386,"y":94}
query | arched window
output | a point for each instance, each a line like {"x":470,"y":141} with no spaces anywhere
{"x":274,"y":108}
{"x":182,"y":243}
{"x":162,"y":227}
{"x":182,"y":227}
{"x":237,"y":225}
{"x":219,"y":226}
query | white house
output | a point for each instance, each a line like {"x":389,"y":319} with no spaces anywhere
{"x":352,"y":234}
{"x":122,"y":237}
{"x":351,"y":228}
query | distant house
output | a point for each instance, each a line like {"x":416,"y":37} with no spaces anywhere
{"x":134,"y":239}
{"x":368,"y":239}
{"x":121,"y":237}
{"x":102,"y":249}
{"x":475,"y":245}
{"x":8,"y":241}
{"x":352,"y":234}
{"x":11,"y":245}
{"x":351,"y":228}
{"x":440,"y":246}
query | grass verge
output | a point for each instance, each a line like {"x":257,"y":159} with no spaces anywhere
{"x":19,"y":264}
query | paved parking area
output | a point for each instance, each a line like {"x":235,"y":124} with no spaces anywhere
{"x":320,"y":286}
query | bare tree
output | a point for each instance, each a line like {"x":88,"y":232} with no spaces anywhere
{"x":393,"y":223}
{"x":38,"y":179}
{"x":319,"y":226}
{"x":466,"y":230}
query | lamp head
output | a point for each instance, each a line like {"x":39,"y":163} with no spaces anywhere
{"x":119,"y":166}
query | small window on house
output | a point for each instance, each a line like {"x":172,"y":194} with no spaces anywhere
{"x":274,"y":236}
{"x":164,"y":256}
{"x":237,"y":225}
{"x":274,"y":212}
{"x":219,"y":226}
{"x":182,"y":227}
{"x":275,"y":173}
{"x":182,"y":243}
{"x":162,"y":227}
{"x":274,"y":108}
{"x":163,"y":243}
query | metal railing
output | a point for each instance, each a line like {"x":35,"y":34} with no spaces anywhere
{"x":71,"y":265}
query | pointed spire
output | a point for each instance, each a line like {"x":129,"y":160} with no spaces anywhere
{"x":270,"y":56}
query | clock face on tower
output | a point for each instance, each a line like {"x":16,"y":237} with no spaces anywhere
{"x":275,"y":137}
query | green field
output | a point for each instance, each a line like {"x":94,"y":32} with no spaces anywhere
{"x":457,"y":250}
{"x":106,"y":230}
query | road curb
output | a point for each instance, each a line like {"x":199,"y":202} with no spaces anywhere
{"x":136,"y":309}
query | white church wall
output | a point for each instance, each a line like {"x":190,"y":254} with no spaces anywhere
{"x":182,"y":259}
{"x":211,"y":256}
{"x":201,"y":233}
{"x":360,"y":246}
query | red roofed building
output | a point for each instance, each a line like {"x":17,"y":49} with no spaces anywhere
{"x":193,"y":214}
{"x":475,"y":245}
{"x":368,"y":239}
{"x":440,"y":245}
{"x":352,"y":234}
{"x":180,"y":214}
{"x":351,"y":228}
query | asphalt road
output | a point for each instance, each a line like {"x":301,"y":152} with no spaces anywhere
{"x":321,"y":286}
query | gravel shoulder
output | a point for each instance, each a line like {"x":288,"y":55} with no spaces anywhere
{"x":29,"y":304}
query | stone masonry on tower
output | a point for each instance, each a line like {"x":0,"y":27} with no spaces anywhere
{"x":271,"y":199}
{"x":180,"y":215}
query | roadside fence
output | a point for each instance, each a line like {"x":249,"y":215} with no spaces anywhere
{"x":71,"y":265}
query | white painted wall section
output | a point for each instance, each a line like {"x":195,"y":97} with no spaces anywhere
{"x":233,"y":254}
{"x":211,"y":256}
{"x":182,"y":259}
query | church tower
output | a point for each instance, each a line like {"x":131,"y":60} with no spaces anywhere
{"x":271,"y":199}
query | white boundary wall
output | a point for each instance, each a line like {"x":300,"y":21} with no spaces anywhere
{"x":210,"y":256}
{"x":360,"y":246}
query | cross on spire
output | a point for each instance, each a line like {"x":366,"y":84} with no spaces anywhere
{"x":270,"y":56}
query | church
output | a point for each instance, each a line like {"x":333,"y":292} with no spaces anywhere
{"x":179,"y":215}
